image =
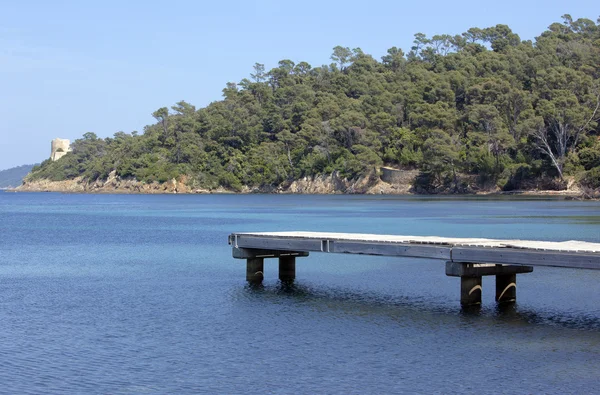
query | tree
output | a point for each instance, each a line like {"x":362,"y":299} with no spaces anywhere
{"x":286,"y":65}
{"x":500,"y":37}
{"x":420,"y":42}
{"x":565,"y":121}
{"x":441,"y":43}
{"x":161,"y":115}
{"x":302,"y":68}
{"x":486,"y":119}
{"x":342,"y":56}
{"x":394,"y":59}
{"x":290,"y":141}
{"x":440,"y":161}
{"x":259,"y":74}
{"x":184,"y":108}
{"x":473,"y":35}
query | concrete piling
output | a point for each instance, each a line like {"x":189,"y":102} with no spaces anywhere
{"x":287,"y":268}
{"x":470,"y":291}
{"x":255,"y":270}
{"x":470,"y":280}
{"x":506,"y":288}
{"x":255,"y":263}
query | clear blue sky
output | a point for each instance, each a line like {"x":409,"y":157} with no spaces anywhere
{"x":70,"y":67}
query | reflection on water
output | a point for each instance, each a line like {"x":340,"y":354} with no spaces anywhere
{"x":333,"y":301}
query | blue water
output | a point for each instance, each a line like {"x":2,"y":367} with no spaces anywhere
{"x":120,"y":294}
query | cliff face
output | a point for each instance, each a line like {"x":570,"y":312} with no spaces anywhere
{"x":333,"y":183}
{"x":322,"y":184}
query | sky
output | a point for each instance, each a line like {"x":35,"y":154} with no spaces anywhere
{"x":71,"y":67}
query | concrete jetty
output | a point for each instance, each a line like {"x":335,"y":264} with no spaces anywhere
{"x":467,"y":258}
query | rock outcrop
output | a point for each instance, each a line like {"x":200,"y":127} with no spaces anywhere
{"x":321,"y":184}
{"x":113,"y":184}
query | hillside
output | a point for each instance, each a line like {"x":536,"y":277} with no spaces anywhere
{"x":11,"y":178}
{"x":481,"y":110}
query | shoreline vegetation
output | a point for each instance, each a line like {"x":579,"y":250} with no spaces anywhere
{"x":473,"y":113}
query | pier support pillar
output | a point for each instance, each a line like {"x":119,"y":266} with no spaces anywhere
{"x":255,"y":262}
{"x":470,"y":291}
{"x":506,"y":288}
{"x":287,"y":268}
{"x":254,"y":270}
{"x":470,"y":280}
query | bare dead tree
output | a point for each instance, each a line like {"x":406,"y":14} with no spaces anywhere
{"x":559,"y":135}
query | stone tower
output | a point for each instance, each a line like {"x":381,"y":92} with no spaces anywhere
{"x":60,"y":147}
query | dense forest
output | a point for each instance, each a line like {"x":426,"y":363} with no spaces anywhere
{"x":482,"y":109}
{"x":13,"y":177}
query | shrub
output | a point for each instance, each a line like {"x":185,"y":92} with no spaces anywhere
{"x":591,"y":178}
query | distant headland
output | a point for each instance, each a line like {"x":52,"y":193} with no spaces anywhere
{"x":13,"y":177}
{"x":477,"y":112}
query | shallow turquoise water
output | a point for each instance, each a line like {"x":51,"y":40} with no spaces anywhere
{"x":139,"y":294}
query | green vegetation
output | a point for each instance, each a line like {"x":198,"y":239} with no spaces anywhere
{"x":13,"y":177}
{"x":481,"y":106}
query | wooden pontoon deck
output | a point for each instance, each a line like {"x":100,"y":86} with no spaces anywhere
{"x":467,"y":258}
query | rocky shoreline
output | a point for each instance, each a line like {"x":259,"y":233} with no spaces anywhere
{"x":370,"y":184}
{"x":322,"y":184}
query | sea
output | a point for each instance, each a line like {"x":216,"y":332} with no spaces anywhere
{"x":139,"y":294}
